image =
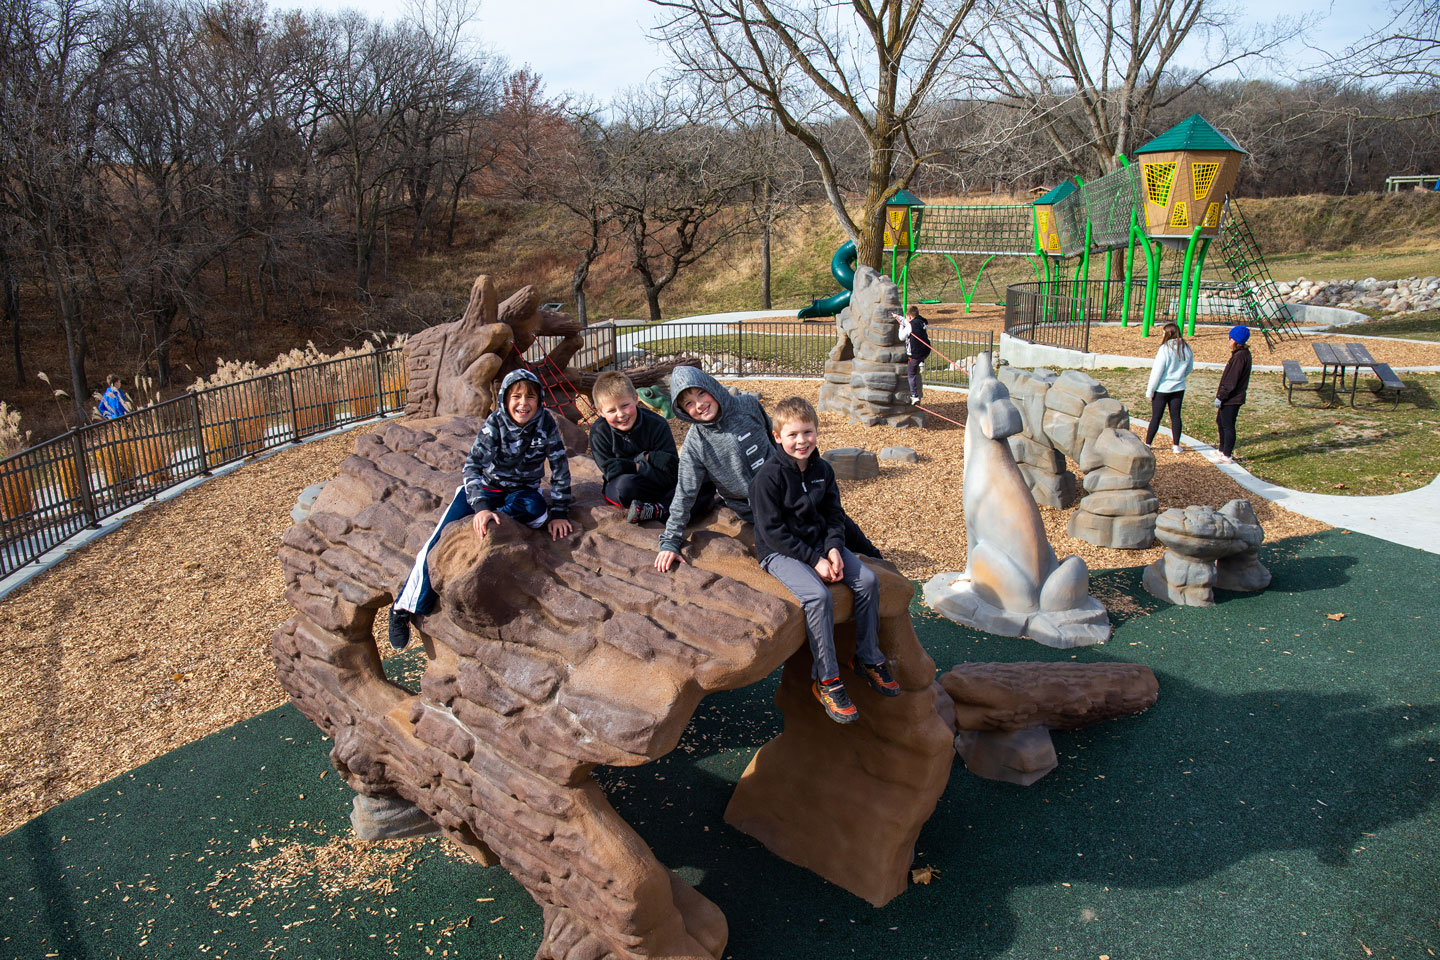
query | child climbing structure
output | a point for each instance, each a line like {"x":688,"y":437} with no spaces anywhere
{"x":913,"y":227}
{"x":1170,"y":205}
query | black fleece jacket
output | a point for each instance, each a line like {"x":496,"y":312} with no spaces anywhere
{"x":1235,"y":380}
{"x":797,"y":511}
{"x":618,"y":452}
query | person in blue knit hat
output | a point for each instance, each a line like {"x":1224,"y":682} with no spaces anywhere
{"x":1230,"y":395}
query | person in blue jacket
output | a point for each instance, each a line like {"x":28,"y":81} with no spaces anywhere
{"x":113,"y":404}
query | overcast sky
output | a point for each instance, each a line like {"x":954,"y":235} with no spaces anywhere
{"x":599,"y":47}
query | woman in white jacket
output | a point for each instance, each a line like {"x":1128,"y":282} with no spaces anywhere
{"x":1173,"y":363}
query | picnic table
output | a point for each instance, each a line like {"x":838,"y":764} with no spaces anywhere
{"x":1337,"y":357}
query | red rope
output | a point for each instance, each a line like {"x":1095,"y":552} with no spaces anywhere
{"x":941,"y":416}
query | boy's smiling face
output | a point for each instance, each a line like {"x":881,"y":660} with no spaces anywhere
{"x":798,"y":439}
{"x":699,"y":405}
{"x":522,"y":402}
{"x":619,"y":412}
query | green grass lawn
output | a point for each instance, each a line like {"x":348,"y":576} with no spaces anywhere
{"x":1309,"y":447}
{"x":1412,"y":326}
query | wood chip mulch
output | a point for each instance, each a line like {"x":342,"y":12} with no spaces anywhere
{"x":159,"y":633}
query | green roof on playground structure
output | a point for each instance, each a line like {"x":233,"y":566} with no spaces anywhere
{"x":1192,"y":133}
{"x":904,"y":198}
{"x":1061,"y":190}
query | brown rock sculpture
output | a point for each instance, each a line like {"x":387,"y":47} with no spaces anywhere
{"x":1012,"y":584}
{"x":1207,"y":548}
{"x":548,"y":658}
{"x":453,"y":367}
{"x":1004,"y":712}
{"x":865,"y":372}
{"x":1071,"y":415}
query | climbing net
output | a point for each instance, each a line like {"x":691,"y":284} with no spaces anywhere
{"x":1255,"y":286}
{"x":1000,"y":230}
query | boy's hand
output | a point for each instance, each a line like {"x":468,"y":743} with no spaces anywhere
{"x":822,"y":568}
{"x":666,"y":559}
{"x":483,"y":521}
{"x":837,"y":565}
{"x":559,"y":527}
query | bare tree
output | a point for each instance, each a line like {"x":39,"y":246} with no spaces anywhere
{"x":54,"y":86}
{"x":670,"y":184}
{"x":1091,"y":72}
{"x":809,"y":63}
{"x":1404,"y":54}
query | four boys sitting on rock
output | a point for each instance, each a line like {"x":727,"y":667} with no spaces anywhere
{"x":802,"y":536}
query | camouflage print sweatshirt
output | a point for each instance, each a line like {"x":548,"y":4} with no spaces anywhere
{"x":508,"y":455}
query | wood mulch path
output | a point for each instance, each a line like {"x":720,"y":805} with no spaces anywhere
{"x":159,"y":633}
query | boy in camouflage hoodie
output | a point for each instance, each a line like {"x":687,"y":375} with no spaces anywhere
{"x":502,"y":477}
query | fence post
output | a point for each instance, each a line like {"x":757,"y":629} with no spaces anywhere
{"x":740,"y":349}
{"x":294,"y":411}
{"x":199,"y":435}
{"x":380,"y":407}
{"x":82,"y":480}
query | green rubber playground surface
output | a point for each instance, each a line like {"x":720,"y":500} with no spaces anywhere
{"x":1279,"y":801}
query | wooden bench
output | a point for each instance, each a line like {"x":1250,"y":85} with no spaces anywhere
{"x":1388,"y":382}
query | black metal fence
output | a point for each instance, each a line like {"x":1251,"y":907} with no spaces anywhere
{"x":55,"y":489}
{"x":783,"y":348}
{"x":1058,"y":313}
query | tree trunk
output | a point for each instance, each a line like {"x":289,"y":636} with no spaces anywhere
{"x":765,"y":264}
{"x":652,"y":297}
{"x":162,"y":323}
{"x":577,"y":287}
{"x":68,"y":307}
{"x":10,"y":305}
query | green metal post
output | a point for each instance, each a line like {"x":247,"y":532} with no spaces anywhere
{"x":1105,"y":289}
{"x":1129,"y":271}
{"x":1152,"y":284}
{"x":1195,"y":283}
{"x":1182,"y":307}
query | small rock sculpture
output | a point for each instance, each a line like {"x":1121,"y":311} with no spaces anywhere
{"x":1012,"y":584}
{"x":852,"y":463}
{"x":1071,"y":415}
{"x":1207,"y":548}
{"x":865,"y":372}
{"x":1003,"y":712}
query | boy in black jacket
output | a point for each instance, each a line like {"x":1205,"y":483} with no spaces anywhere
{"x":634,"y":450}
{"x":800,"y":539}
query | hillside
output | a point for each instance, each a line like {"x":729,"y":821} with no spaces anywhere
{"x":1387,"y":236}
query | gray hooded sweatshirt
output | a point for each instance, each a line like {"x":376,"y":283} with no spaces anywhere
{"x":726,"y":451}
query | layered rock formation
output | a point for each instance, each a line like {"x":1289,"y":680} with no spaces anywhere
{"x":547,"y":658}
{"x":1071,"y":415}
{"x":1207,"y":548}
{"x":1003,"y":712}
{"x":1012,"y":584}
{"x":865,"y":372}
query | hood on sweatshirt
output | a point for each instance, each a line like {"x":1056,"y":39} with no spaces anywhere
{"x":512,"y":378}
{"x":683,"y":378}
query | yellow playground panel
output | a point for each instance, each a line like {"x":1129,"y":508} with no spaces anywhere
{"x":1186,"y":174}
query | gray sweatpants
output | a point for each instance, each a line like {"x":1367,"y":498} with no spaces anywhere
{"x":814,"y":595}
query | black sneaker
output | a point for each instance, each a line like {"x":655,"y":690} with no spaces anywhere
{"x":835,"y":700}
{"x":399,"y":628}
{"x":878,"y":676}
{"x":640,"y":512}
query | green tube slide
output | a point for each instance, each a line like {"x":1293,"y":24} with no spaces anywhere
{"x":842,"y":267}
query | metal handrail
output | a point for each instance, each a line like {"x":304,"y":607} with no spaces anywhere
{"x":55,"y":489}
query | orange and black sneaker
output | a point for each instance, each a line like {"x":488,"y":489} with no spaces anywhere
{"x":832,"y":696}
{"x":878,"y":676}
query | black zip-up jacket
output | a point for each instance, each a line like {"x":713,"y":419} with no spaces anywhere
{"x":618,"y":452}
{"x":1235,"y":380}
{"x":797,"y":511}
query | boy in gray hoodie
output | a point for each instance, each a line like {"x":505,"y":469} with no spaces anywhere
{"x":728,"y":442}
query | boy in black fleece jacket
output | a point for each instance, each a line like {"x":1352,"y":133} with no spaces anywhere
{"x":634,"y":450}
{"x":800,"y":539}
